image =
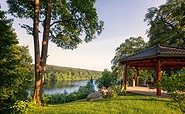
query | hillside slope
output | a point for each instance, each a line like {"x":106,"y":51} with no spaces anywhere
{"x":133,"y":104}
{"x":58,"y":73}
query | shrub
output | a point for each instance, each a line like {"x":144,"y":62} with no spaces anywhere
{"x":63,"y":97}
{"x":81,"y":93}
{"x":118,"y":90}
{"x":175,"y":85}
{"x":71,"y":97}
{"x":55,"y":99}
{"x":24,"y":106}
{"x":106,"y":80}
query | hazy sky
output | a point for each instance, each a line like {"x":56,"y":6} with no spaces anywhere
{"x":122,"y":19}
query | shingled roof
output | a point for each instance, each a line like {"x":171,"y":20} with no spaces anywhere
{"x":174,"y":56}
{"x":157,"y":51}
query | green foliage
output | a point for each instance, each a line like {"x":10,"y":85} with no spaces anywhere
{"x":70,"y":19}
{"x":106,"y":80}
{"x":24,"y":106}
{"x":118,"y":90}
{"x":180,"y":98}
{"x":56,"y":98}
{"x":63,"y":22}
{"x":175,"y":84}
{"x":132,"y":104}
{"x":71,"y":97}
{"x":15,"y":74}
{"x":81,"y":93}
{"x":129,"y":47}
{"x":167,"y":23}
{"x":8,"y":37}
{"x":57,"y":73}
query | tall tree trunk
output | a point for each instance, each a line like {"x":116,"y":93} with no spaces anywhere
{"x":45,"y":40}
{"x":40,"y":62}
{"x":37,"y":92}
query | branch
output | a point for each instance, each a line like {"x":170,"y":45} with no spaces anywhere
{"x":55,"y":22}
{"x":169,"y":24}
{"x":173,"y":27}
{"x":164,"y":21}
{"x":52,"y":34}
{"x":28,"y":28}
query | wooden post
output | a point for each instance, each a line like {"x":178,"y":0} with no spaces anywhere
{"x":125,"y":76}
{"x":158,"y":73}
{"x":137,"y":76}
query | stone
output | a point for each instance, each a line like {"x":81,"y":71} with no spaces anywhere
{"x":94,"y":96}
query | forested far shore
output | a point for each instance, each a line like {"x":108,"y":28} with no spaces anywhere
{"x":59,"y":73}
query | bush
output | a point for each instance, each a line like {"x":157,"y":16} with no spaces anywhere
{"x":106,"y":80}
{"x":118,"y":90}
{"x":56,"y":98}
{"x":81,"y":93}
{"x":24,"y":106}
{"x":175,"y":85}
{"x":71,"y":97}
{"x":113,"y":91}
{"x":180,"y":98}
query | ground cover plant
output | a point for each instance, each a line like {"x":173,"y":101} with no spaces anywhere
{"x":130,"y":104}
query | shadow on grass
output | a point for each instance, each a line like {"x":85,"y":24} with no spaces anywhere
{"x":137,"y":97}
{"x":130,"y":97}
{"x":141,"y":99}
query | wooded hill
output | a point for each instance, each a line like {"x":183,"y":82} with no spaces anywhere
{"x":58,"y":73}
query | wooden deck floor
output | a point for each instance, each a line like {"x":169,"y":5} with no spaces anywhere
{"x":146,"y":91}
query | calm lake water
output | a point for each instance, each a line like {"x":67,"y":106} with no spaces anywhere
{"x":58,"y":87}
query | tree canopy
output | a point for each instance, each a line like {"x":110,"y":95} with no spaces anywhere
{"x":70,"y":19}
{"x":106,"y":80}
{"x":129,"y":47}
{"x":58,"y":73}
{"x":167,"y":23}
{"x":14,"y":66}
{"x":64,"y":22}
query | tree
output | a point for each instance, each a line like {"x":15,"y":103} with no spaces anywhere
{"x":63,"y":23}
{"x":129,"y":47}
{"x":15,"y":61}
{"x":106,"y":80}
{"x":167,"y":23}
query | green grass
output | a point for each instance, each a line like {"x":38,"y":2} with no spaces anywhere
{"x":132,"y":104}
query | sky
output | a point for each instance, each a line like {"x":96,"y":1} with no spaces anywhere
{"x":122,"y":19}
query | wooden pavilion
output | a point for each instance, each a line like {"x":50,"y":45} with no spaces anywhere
{"x":158,"y":57}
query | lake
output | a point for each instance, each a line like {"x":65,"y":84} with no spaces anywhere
{"x":58,"y":87}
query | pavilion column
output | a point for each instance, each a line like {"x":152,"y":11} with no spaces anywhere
{"x":137,"y":76}
{"x":158,"y":73}
{"x":125,"y":76}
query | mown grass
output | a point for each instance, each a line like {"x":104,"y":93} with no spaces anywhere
{"x":132,"y":104}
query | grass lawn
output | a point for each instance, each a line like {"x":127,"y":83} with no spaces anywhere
{"x":131,"y":104}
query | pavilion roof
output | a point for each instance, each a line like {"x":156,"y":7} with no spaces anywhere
{"x":147,"y":57}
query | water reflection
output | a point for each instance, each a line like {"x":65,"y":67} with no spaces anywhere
{"x":57,"y":87}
